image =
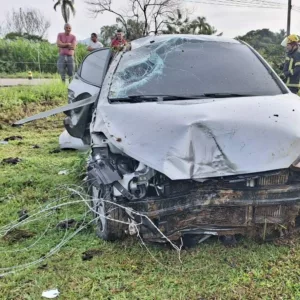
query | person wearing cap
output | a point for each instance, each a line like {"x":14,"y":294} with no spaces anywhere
{"x":291,"y":68}
{"x":118,"y":43}
{"x":94,"y":43}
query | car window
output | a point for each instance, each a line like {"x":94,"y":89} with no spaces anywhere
{"x":94,"y":67}
{"x":181,"y":66}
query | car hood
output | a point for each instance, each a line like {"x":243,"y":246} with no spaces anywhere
{"x":200,"y":139}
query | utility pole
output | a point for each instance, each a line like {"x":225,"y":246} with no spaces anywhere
{"x":288,"y":29}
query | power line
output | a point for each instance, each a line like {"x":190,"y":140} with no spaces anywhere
{"x":267,"y":4}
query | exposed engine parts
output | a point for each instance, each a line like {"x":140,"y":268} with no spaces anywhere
{"x":218,"y":206}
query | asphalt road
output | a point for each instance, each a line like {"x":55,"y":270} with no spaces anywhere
{"x":19,"y":81}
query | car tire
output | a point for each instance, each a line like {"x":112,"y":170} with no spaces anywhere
{"x":106,"y":229}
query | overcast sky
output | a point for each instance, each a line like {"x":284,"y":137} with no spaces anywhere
{"x":232,"y":21}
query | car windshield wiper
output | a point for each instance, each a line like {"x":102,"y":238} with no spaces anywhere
{"x":226,"y":95}
{"x":143,"y":98}
{"x":146,"y":98}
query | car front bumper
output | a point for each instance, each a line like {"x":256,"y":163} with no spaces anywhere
{"x":255,"y":212}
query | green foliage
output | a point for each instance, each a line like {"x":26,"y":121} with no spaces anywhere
{"x":22,"y":95}
{"x":35,"y":74}
{"x":21,"y":101}
{"x":181,"y":24}
{"x":22,"y":55}
{"x":107,"y":33}
{"x":17,"y":35}
{"x":268,"y":44}
{"x":132,"y":29}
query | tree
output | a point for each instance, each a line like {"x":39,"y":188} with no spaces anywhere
{"x":268,"y":44}
{"x":200,"y":26}
{"x":148,"y":14}
{"x":16,"y":35}
{"x":181,"y":24}
{"x":67,"y":6}
{"x":177,"y":24}
{"x":27,"y":21}
{"x":133,"y":30}
{"x":107,"y":32}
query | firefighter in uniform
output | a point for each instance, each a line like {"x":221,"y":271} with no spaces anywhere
{"x":291,"y":69}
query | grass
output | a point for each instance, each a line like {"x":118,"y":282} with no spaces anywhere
{"x":22,"y":56}
{"x":35,"y":74}
{"x":122,"y":270}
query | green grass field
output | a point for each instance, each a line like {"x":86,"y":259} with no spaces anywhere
{"x":122,"y":270}
{"x":25,"y":75}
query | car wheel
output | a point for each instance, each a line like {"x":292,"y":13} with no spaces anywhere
{"x":108,"y":214}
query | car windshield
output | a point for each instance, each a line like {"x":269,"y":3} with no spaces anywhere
{"x":183,"y":67}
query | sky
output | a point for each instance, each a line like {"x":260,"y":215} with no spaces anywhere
{"x":232,"y":21}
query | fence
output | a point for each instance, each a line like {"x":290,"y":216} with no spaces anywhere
{"x":22,"y":56}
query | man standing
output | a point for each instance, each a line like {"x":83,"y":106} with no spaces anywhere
{"x":94,"y":43}
{"x":291,"y":69}
{"x":118,"y":43}
{"x":66,"y":42}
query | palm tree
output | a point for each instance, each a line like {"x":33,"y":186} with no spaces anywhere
{"x":67,"y":6}
{"x":200,"y":26}
{"x":177,"y":24}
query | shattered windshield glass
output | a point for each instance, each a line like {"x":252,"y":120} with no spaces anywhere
{"x":181,"y":66}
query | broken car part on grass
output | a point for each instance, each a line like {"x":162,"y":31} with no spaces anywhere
{"x":197,"y":133}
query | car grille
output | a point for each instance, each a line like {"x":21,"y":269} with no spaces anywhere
{"x":277,"y":179}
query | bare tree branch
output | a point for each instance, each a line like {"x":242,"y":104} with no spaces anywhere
{"x":150,"y":13}
{"x":28,"y":21}
{"x":100,"y":6}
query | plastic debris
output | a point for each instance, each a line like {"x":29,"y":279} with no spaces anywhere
{"x":51,"y":294}
{"x":63,"y":172}
{"x":3,"y":142}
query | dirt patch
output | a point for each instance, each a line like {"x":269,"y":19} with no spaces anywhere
{"x":57,"y":150}
{"x":17,"y":235}
{"x":89,"y":254}
{"x":13,"y":138}
{"x":11,"y":161}
{"x":66,"y":224}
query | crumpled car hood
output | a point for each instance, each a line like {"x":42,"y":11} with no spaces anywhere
{"x":200,"y":139}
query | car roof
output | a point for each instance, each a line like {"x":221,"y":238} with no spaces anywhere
{"x":160,"y":38}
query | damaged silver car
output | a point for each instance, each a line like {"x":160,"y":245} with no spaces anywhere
{"x":194,"y":135}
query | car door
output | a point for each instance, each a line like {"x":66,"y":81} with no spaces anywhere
{"x":87,"y":82}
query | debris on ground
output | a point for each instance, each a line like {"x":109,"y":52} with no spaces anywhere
{"x":36,"y":147}
{"x":43,"y":266}
{"x":11,"y":160}
{"x":63,"y":172}
{"x":89,"y":254}
{"x":72,"y":223}
{"x":67,"y":224}
{"x":51,"y":294}
{"x":228,"y":240}
{"x":17,"y":235}
{"x":3,"y":142}
{"x":23,"y":214}
{"x":13,"y":138}
{"x":57,"y":150}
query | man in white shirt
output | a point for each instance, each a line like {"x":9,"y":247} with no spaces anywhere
{"x":94,"y":43}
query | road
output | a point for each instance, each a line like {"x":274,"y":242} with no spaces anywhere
{"x":21,"y":81}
